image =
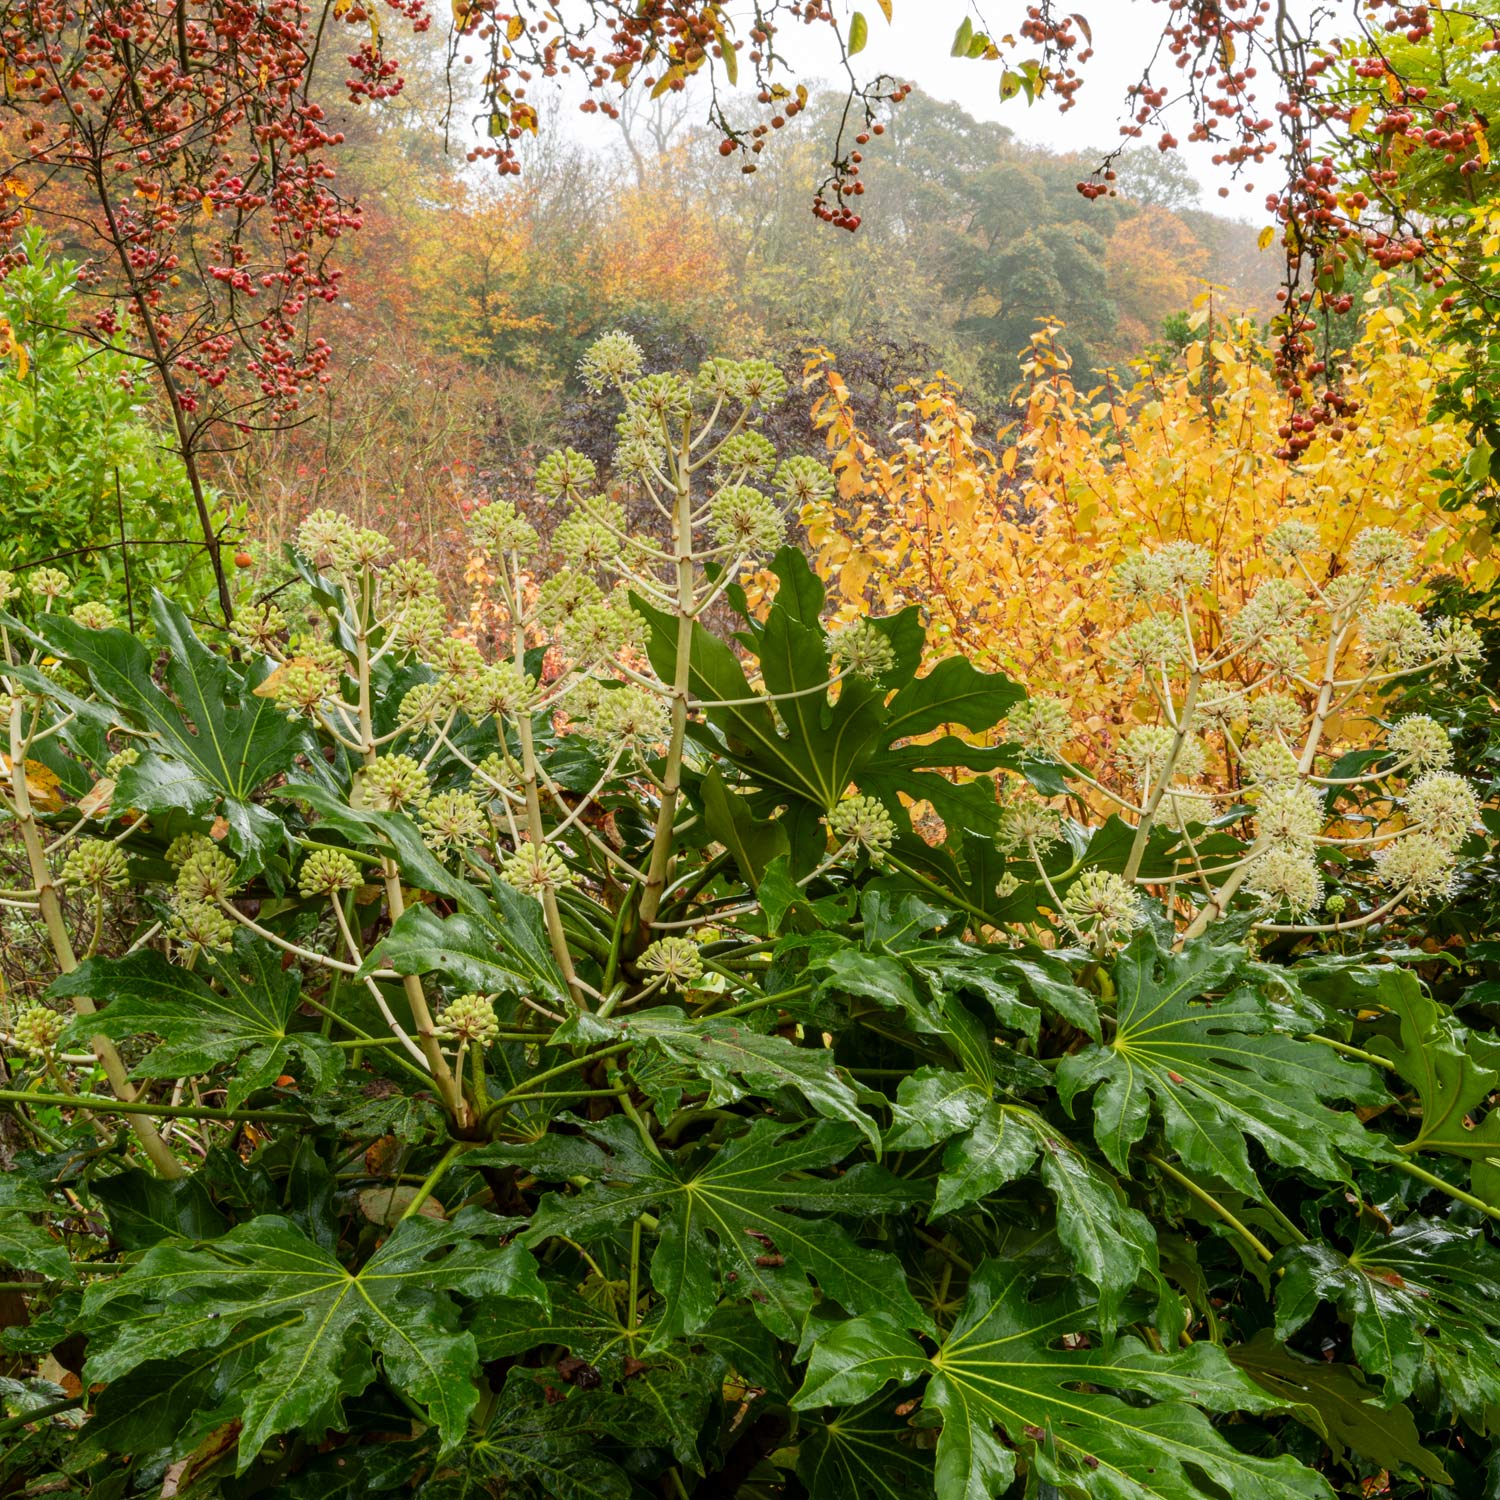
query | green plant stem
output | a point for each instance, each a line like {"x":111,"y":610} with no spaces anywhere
{"x":430,"y":1181}
{"x":1432,"y":1180}
{"x":950,"y":897}
{"x":635,"y":1274}
{"x":41,"y":1414}
{"x":761,"y":1001}
{"x":1213,"y":1205}
{"x":141,"y":1107}
{"x":522,"y":1090}
{"x":1354,"y":1052}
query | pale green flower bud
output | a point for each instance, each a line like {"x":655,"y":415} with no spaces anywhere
{"x":1276,"y":716}
{"x":326,"y":872}
{"x":565,"y":473}
{"x":757,"y":382}
{"x":864,"y":821}
{"x":746,"y":455}
{"x":453,"y":820}
{"x":120,"y":759}
{"x":409,"y":579}
{"x":744,"y":520}
{"x":676,"y":959}
{"x":207,"y":875}
{"x":1294,"y":539}
{"x":585,"y":543}
{"x":1277,"y":605}
{"x":48,"y":583}
{"x":1269,"y":762}
{"x":666,"y":398}
{"x":394,"y":783}
{"x":863,"y":650}
{"x":258,"y":626}
{"x":1457,"y":642}
{"x":563,"y":595}
{"x":1040,"y":725}
{"x":469,"y":1018}
{"x":1028,"y":824}
{"x":802,"y":481}
{"x":501,"y":689}
{"x":196,"y":924}
{"x":1104,"y":906}
{"x":186,"y":845}
{"x":498,"y":530}
{"x":1146,"y":645}
{"x":1144,"y":753}
{"x":326,"y":539}
{"x":94,"y":862}
{"x":37,"y":1030}
{"x":93,"y":615}
{"x":536,"y":869}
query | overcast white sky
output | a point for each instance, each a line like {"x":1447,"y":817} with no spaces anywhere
{"x":916,"y":47}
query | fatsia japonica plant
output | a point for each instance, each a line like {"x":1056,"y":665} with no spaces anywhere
{"x":572,"y":1052}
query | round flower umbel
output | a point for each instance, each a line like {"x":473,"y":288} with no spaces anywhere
{"x":536,"y":870}
{"x":501,"y":689}
{"x":1277,"y":605}
{"x":1382,"y":553}
{"x":1417,"y":864}
{"x":196,"y":924}
{"x":1293,"y":539}
{"x":409,"y":579}
{"x":1146,"y":750}
{"x":394,"y":783}
{"x":586,"y":543}
{"x":1276,"y":716}
{"x":327,"y":872}
{"x":863,"y":650}
{"x":1422,"y":741}
{"x":1444,"y":806}
{"x":37,"y":1030}
{"x":94,"y":863}
{"x":469,"y":1018}
{"x":612,"y":360}
{"x":120,"y":759}
{"x":1040,"y":725}
{"x":676,"y":959}
{"x":802,"y":481}
{"x":666,"y":399}
{"x":1395,"y":635}
{"x":48,"y":584}
{"x":1103,"y":906}
{"x":742,"y":519}
{"x":1289,"y":815}
{"x":425,"y":707}
{"x":326,"y":539}
{"x":627,"y":713}
{"x":8,"y":588}
{"x":499,"y":531}
{"x":1270,"y":763}
{"x":746,"y":455}
{"x":259,"y":627}
{"x":185,"y":846}
{"x":565,"y":472}
{"x":1287,"y":876}
{"x":1028,"y":824}
{"x":863,"y":821}
{"x":1145,"y":645}
{"x":207,"y":875}
{"x":93,"y":615}
{"x":453,"y":820}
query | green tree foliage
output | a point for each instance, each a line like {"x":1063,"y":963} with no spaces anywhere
{"x":83,"y":464}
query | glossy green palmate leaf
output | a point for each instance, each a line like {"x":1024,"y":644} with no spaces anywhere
{"x":1423,"y":1305}
{"x":737,"y":1223}
{"x":1339,"y":1405}
{"x":1026,"y":1365}
{"x":215,"y":744}
{"x":1434,"y":1054}
{"x":639,"y":1387}
{"x":177,"y":1301}
{"x":238,"y":1007}
{"x":496,"y":949}
{"x":1204,"y":1048}
{"x":727,"y":1059}
{"x":819,"y":748}
{"x":870,"y":1450}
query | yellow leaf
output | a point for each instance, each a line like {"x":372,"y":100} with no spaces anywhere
{"x":1265,"y":238}
{"x":42,"y":785}
{"x":514,"y":27}
{"x":1360,"y":118}
{"x":885,"y":8}
{"x":1482,"y":145}
{"x":206,"y":204}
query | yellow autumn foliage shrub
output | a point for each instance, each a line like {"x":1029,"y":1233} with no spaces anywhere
{"x":1009,"y":546}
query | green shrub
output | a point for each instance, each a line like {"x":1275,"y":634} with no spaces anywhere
{"x":624,"y":1062}
{"x":83,"y":463}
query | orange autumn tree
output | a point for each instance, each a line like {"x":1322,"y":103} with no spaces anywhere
{"x":1009,"y":546}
